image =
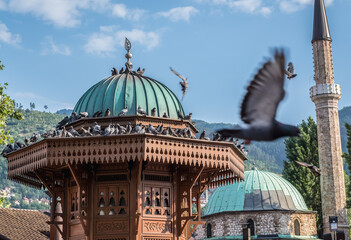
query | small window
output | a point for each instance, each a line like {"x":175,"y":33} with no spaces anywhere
{"x":251,"y":226}
{"x":209,"y":230}
{"x":297,"y":227}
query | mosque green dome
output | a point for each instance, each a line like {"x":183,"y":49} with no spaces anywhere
{"x":129,"y":89}
{"x":260,"y":191}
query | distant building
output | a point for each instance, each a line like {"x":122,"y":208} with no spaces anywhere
{"x":268,"y":204}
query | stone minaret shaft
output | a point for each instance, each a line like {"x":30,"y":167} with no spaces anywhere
{"x":326,"y":94}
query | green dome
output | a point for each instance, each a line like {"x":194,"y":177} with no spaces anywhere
{"x":260,"y":191}
{"x":129,"y":90}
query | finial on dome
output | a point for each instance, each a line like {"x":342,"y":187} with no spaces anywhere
{"x":128,"y":46}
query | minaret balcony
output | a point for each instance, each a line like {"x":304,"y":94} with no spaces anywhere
{"x":325,"y":89}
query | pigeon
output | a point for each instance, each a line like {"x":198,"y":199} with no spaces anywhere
{"x":113,"y":129}
{"x":74,"y":116}
{"x":97,"y":114}
{"x":67,"y":133}
{"x":315,"y":170}
{"x":26,"y":141}
{"x":165,"y":115}
{"x":177,"y":132}
{"x":260,"y":104}
{"x":188,"y":117}
{"x":123,"y":112}
{"x":140,"y":72}
{"x":107,"y":130}
{"x":203,"y":136}
{"x":151,"y":129}
{"x":121,"y":71}
{"x":183,"y":84}
{"x":216,"y":136}
{"x":180,"y":115}
{"x":107,"y":113}
{"x":34,"y":137}
{"x":63,"y":122}
{"x":141,"y":111}
{"x":159,"y":128}
{"x":114,"y":71}
{"x":16,"y":147}
{"x":21,"y":145}
{"x":96,"y":129}
{"x":86,"y":132}
{"x":137,"y":128}
{"x":153,"y":112}
{"x":74,"y":132}
{"x":290,"y":71}
{"x":121,"y":129}
{"x":83,"y":115}
{"x":7,"y":150}
{"x":142,"y":130}
{"x":129,"y":128}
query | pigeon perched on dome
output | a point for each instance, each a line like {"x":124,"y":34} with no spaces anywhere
{"x":123,"y":112}
{"x":259,"y":107}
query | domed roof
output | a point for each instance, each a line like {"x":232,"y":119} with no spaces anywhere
{"x":129,"y":89}
{"x":260,"y":191}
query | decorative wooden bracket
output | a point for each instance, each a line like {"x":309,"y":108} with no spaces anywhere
{"x":77,"y":179}
{"x":45,"y":183}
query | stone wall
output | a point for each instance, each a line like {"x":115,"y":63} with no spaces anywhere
{"x":266,"y":223}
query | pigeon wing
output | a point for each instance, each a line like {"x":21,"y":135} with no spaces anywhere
{"x":265,"y":92}
{"x":307,"y":165}
{"x":180,"y":76}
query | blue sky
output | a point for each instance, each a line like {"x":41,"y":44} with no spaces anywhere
{"x":54,"y":50}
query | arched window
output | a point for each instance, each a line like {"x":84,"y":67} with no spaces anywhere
{"x":297,"y":227}
{"x":209,"y":230}
{"x":251,"y":226}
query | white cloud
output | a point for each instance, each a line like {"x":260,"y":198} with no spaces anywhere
{"x":61,"y":13}
{"x":121,"y":11}
{"x":7,"y":37}
{"x":179,"y":13}
{"x":105,"y":42}
{"x":295,"y":5}
{"x":50,"y":47}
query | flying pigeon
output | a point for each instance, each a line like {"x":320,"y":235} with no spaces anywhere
{"x":107,"y":113}
{"x":97,"y":114}
{"x":153,"y":112}
{"x":290,"y":71}
{"x":183,"y":84}
{"x":123,"y":112}
{"x":315,"y":170}
{"x":260,"y":104}
{"x":141,"y":111}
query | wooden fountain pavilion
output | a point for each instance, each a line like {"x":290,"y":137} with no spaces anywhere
{"x":131,"y":185}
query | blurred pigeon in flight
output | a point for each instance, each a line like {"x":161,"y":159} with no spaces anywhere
{"x":315,"y":170}
{"x":290,"y":71}
{"x":259,"y":107}
{"x":183,"y":84}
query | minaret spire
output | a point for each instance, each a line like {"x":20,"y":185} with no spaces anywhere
{"x":320,"y":22}
{"x":326,"y":94}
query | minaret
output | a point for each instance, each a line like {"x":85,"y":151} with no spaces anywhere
{"x":326,"y":94}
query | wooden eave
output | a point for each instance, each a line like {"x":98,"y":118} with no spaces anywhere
{"x":56,"y":152}
{"x":124,"y":120}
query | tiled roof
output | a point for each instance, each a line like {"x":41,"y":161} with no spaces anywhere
{"x":18,"y":224}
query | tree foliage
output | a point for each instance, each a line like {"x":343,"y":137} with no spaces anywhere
{"x":7,"y":111}
{"x":347,"y":157}
{"x":305,"y":149}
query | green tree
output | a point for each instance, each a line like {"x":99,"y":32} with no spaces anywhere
{"x":347,"y":157}
{"x":46,"y":107}
{"x":305,"y":149}
{"x":7,"y":111}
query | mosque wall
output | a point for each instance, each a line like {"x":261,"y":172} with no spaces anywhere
{"x":265,"y":223}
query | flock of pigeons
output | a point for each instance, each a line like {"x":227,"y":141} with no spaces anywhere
{"x":117,"y":129}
